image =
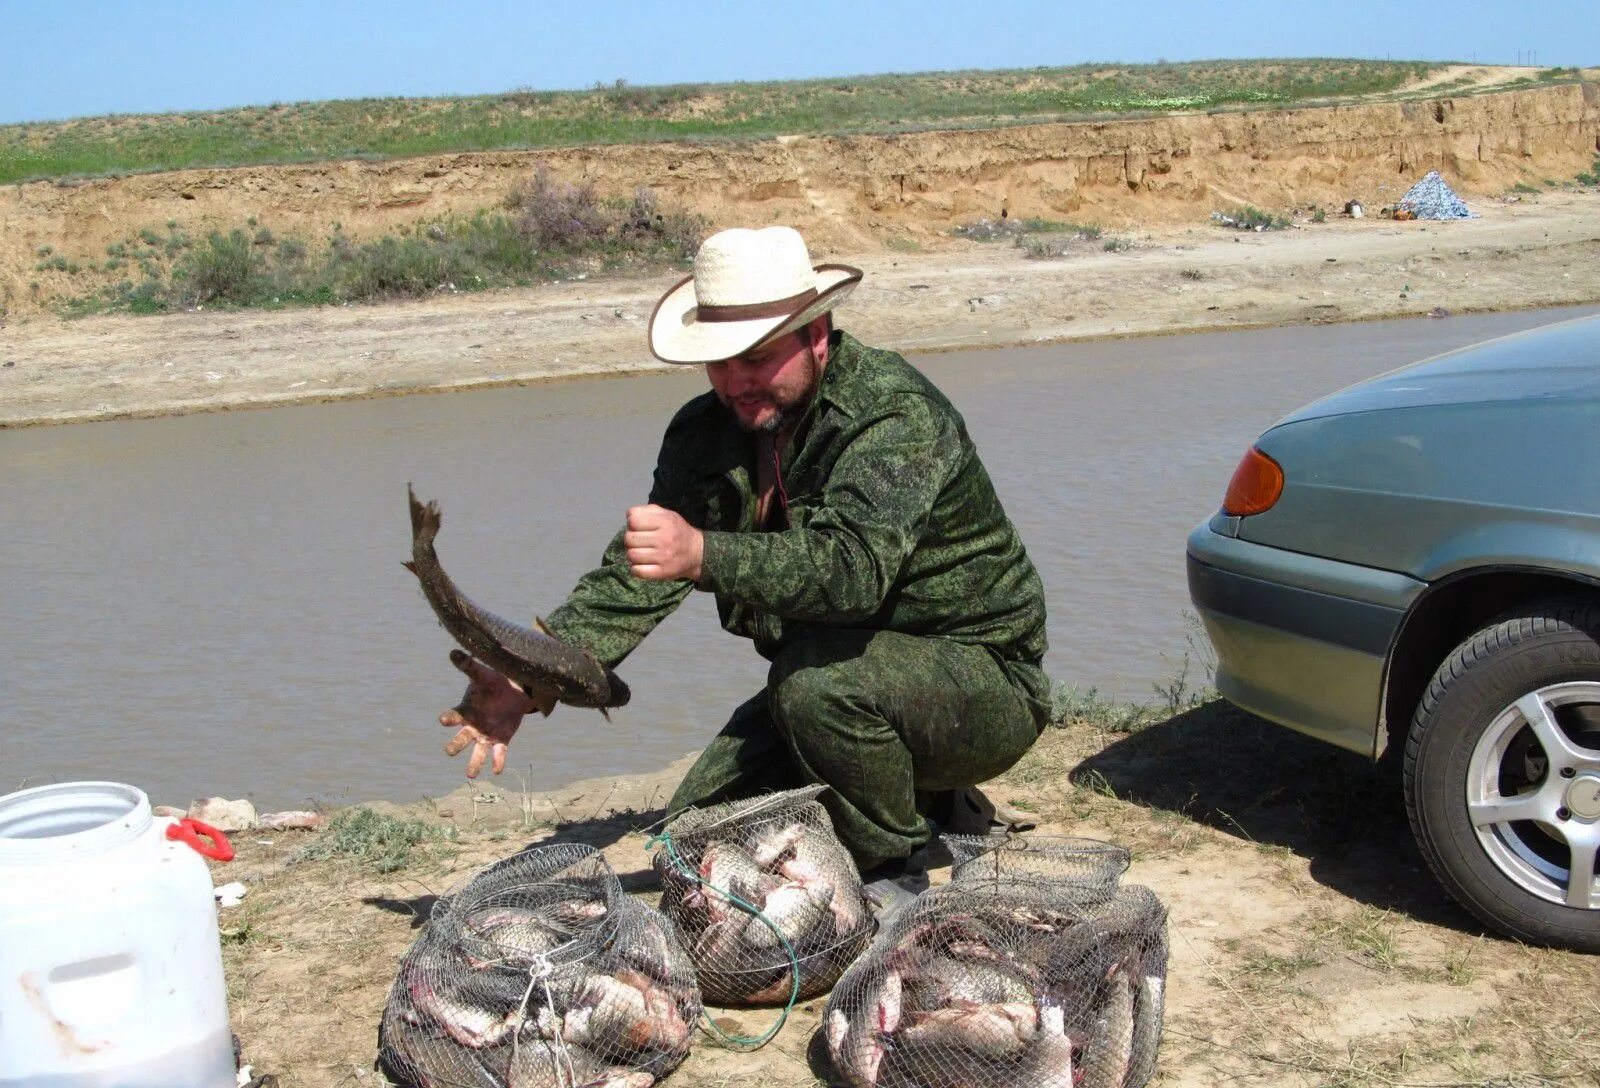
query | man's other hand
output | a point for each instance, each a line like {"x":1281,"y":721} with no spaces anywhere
{"x":487,"y":716}
{"x":661,"y":545}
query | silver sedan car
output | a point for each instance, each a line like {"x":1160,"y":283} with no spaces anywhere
{"x":1412,"y":567}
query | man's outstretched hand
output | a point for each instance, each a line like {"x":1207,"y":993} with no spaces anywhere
{"x":487,"y":716}
{"x":661,"y":545}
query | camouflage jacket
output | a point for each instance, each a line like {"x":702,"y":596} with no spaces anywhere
{"x":893,"y":523}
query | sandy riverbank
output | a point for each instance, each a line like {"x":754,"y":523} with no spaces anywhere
{"x":1309,"y":944}
{"x":1539,"y":251}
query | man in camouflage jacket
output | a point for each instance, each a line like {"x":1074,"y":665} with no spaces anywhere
{"x":830,"y":498}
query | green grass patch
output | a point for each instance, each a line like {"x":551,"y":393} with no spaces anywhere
{"x":545,"y":229}
{"x":386,"y":843}
{"x":392,"y":127}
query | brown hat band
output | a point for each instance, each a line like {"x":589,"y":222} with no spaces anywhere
{"x":751,"y":310}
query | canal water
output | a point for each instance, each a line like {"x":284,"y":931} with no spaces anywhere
{"x":214,"y":604}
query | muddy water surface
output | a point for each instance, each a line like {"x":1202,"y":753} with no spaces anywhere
{"x":215,"y":603}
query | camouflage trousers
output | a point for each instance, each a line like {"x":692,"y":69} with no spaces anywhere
{"x":878,"y":716}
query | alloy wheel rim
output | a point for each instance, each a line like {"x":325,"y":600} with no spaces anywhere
{"x":1523,"y":831}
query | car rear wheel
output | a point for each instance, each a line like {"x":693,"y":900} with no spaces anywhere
{"x":1502,"y":775}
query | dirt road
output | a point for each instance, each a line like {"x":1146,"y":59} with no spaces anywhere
{"x":1541,"y":251}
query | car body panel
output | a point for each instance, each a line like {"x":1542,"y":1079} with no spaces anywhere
{"x":1432,"y":492}
{"x":1487,"y":458}
{"x":1553,"y":361}
{"x":1300,"y":640}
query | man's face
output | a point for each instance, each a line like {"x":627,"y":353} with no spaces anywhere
{"x":771,"y":385}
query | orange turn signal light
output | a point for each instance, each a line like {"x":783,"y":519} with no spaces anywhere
{"x":1255,"y":487}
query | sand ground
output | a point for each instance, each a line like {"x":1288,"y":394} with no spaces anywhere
{"x":1538,"y":251}
{"x":1310,"y":946}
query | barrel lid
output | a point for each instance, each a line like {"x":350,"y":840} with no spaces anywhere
{"x":67,"y":819}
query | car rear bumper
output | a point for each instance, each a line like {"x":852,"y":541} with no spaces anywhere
{"x":1300,"y":640}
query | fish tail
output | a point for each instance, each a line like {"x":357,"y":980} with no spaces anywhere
{"x":425,"y":518}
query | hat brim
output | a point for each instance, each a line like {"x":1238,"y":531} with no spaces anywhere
{"x":678,"y":336}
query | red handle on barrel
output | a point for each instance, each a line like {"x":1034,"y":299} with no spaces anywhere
{"x":191,"y":832}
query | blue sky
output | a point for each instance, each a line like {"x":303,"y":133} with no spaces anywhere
{"x":69,"y":59}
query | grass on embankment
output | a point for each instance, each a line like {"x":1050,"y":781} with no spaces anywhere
{"x":393,"y":127}
{"x":546,"y":229}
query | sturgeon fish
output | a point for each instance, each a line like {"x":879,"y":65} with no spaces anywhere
{"x":546,"y":668}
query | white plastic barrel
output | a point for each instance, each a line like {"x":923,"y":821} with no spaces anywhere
{"x":110,"y":963}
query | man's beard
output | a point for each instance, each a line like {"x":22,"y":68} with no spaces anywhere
{"x":784,"y":416}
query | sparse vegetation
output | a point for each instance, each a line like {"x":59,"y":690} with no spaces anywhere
{"x":1524,"y":187}
{"x":1369,"y":933}
{"x":990,"y":230}
{"x":1038,"y":238}
{"x":546,"y":228}
{"x":386,"y":843}
{"x":622,"y":113}
{"x":1250,"y":217}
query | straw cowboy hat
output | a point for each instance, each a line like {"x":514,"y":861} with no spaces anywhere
{"x":748,"y":286}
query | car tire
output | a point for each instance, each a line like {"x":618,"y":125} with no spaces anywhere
{"x":1502,"y":774}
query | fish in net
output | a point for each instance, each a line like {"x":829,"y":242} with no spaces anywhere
{"x":1048,"y":859}
{"x":1007,"y":983}
{"x":539,"y":972}
{"x":767,"y":900}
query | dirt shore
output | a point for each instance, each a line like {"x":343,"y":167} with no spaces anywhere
{"x":1539,"y":251}
{"x":1309,"y":944}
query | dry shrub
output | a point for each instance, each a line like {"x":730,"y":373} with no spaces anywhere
{"x":561,"y":215}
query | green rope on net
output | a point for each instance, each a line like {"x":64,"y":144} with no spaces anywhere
{"x":743,"y":1042}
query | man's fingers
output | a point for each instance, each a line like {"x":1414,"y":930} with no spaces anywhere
{"x":648,"y":571}
{"x":476,"y":670}
{"x":475,"y":764}
{"x":644,"y":517}
{"x":452,"y":718}
{"x":455,"y":744}
{"x":499,"y":758}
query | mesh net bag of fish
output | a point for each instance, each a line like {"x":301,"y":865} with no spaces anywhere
{"x":1065,"y":861}
{"x":766,"y":898}
{"x":1020,"y":984}
{"x":539,"y":972}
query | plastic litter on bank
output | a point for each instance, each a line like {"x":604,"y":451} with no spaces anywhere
{"x":1431,"y":198}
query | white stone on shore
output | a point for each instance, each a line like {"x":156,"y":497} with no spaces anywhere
{"x":287,"y":821}
{"x":224,"y":815}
